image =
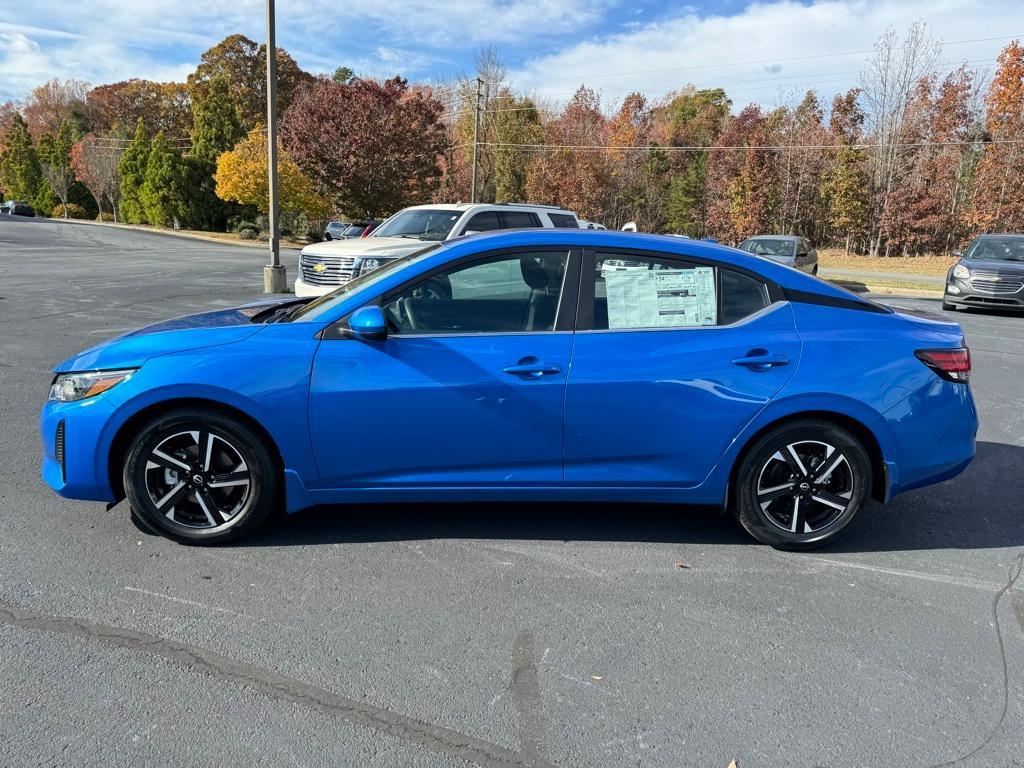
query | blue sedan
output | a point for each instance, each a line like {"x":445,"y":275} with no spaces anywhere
{"x":523,"y":366}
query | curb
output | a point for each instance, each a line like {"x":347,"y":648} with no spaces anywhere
{"x":262,"y":244}
{"x":866,"y":286}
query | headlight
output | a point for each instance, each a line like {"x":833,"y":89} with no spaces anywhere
{"x":370,"y":264}
{"x":961,"y":271}
{"x":69,"y":387}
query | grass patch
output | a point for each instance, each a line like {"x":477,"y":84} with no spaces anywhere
{"x":931,"y":265}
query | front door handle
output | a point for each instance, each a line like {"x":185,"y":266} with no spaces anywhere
{"x":532,"y":368}
{"x":760,"y":360}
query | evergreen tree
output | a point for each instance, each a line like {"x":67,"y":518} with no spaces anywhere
{"x":133,"y":166}
{"x":216,"y":130}
{"x":55,"y":161}
{"x":20,"y":174}
{"x":164,"y":188}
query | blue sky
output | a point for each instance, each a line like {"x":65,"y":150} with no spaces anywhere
{"x":766,"y":52}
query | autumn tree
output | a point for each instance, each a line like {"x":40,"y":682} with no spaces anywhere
{"x":639,"y":176}
{"x":55,"y":161}
{"x":998,"y":203}
{"x":242,"y":178}
{"x":95,"y":161}
{"x":242,"y":63}
{"x":160,"y":106}
{"x":574,"y":171}
{"x":369,"y":147}
{"x":20,"y":174}
{"x":846,"y":183}
{"x":54,"y":102}
{"x":132,"y":170}
{"x":690,"y":119}
{"x":164,"y":188}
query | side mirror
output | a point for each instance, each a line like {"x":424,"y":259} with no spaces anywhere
{"x":368,"y":324}
{"x":958,"y":254}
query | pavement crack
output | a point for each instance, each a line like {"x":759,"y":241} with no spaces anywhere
{"x":409,"y":729}
{"x":1014,"y":575}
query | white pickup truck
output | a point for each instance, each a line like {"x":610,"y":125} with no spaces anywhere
{"x":325,"y":266}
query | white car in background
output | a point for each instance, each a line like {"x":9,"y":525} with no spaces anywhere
{"x":328,"y":265}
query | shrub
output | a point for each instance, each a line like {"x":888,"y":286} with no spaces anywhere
{"x":73,"y":211}
{"x":248,"y":232}
{"x":105,"y":216}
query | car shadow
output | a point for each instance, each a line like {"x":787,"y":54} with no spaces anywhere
{"x":982,"y":508}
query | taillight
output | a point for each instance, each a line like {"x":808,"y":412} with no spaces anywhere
{"x":949,"y":364}
{"x":366,"y":232}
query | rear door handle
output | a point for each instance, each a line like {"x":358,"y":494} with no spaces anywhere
{"x":532,"y":368}
{"x":759,"y":360}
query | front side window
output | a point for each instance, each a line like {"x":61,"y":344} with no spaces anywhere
{"x":633,"y":291}
{"x":501,"y":294}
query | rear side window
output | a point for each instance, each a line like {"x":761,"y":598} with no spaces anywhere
{"x":633,"y":291}
{"x":564,"y":221}
{"x":519,"y":220}
{"x":485,"y":221}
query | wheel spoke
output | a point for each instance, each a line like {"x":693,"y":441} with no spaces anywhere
{"x":831,"y":500}
{"x":162,"y":459}
{"x":827,"y":469}
{"x":206,"y":449}
{"x":209,"y":507}
{"x":794,"y":462}
{"x":770,"y":494}
{"x":798,"y":516}
{"x":231,"y":478}
{"x":172,"y":497}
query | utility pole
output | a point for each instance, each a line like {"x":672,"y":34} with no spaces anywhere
{"x":476,"y":133}
{"x":274,"y":274}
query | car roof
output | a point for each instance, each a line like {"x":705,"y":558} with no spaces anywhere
{"x":992,"y":235}
{"x":469,"y":206}
{"x":774,"y":237}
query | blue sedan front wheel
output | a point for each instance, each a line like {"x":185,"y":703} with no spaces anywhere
{"x":801,"y":483}
{"x":199,"y":477}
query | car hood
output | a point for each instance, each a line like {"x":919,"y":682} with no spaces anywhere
{"x":205,"y":329}
{"x":996,"y":267}
{"x":385,"y":247}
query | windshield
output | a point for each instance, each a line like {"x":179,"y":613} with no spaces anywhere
{"x":997,"y":249}
{"x":317,"y":307}
{"x":419,"y":223}
{"x":768,"y":247}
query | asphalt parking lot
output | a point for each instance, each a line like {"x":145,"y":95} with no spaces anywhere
{"x":487,"y":634}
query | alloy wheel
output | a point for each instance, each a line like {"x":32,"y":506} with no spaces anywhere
{"x":198,"y":479}
{"x":805,"y":486}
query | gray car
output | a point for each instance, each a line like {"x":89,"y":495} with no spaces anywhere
{"x":791,"y":250}
{"x":990,"y":273}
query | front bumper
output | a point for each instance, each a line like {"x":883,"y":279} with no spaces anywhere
{"x":303,"y":289}
{"x":81,"y":473}
{"x":970,"y":292}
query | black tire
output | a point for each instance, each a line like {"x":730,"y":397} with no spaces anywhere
{"x":230,"y":487}
{"x":805,"y":515}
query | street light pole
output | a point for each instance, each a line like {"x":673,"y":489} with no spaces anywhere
{"x":274,"y":274}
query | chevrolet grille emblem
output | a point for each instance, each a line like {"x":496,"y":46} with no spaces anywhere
{"x":321,"y":267}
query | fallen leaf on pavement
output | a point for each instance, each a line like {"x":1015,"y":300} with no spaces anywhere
{"x":681,"y":565}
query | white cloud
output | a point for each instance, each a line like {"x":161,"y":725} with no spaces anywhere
{"x":750,"y":53}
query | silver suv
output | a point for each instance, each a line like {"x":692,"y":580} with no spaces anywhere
{"x":325,"y":266}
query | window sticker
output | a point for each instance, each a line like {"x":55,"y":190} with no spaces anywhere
{"x":661,"y":298}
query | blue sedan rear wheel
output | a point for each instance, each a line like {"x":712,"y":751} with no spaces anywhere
{"x":800,"y":484}
{"x":200,"y":477}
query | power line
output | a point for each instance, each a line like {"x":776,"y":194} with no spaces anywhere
{"x":739,"y":148}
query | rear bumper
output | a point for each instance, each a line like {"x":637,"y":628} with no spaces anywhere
{"x":936,"y":429}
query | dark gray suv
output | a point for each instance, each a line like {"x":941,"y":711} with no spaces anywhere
{"x":990,"y":273}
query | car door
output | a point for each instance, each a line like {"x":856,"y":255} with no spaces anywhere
{"x":467,"y":390}
{"x":669,"y":364}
